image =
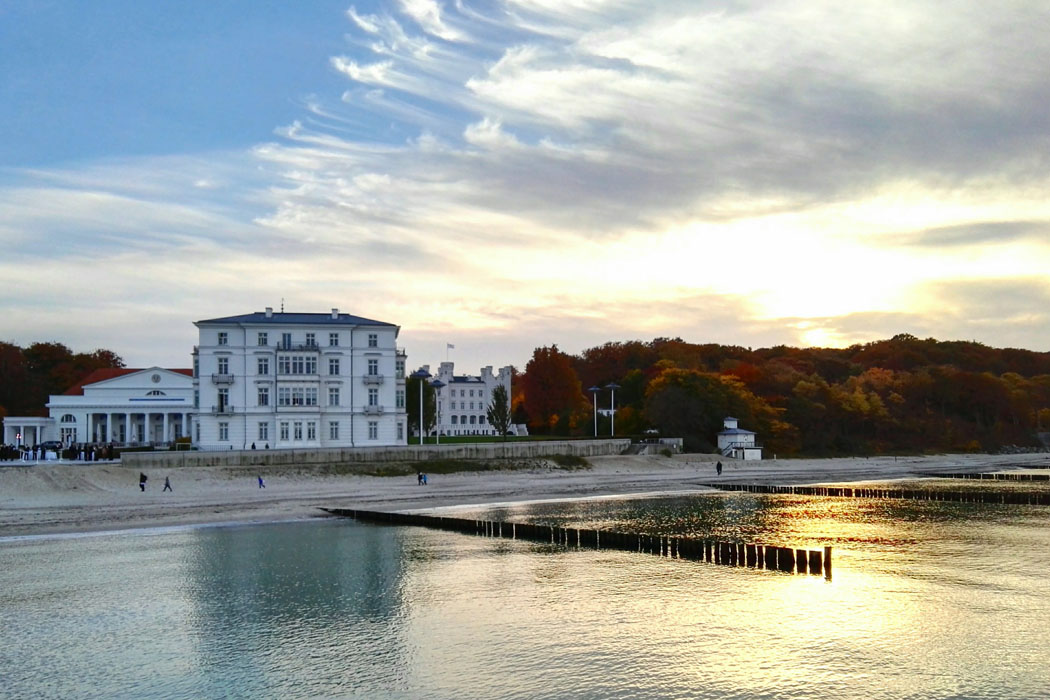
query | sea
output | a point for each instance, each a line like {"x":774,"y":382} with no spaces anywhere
{"x":927,"y":599}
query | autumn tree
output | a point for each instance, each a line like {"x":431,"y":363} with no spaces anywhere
{"x":551,"y":390}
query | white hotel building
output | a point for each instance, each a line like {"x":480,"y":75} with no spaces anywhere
{"x":280,"y":380}
{"x":463,"y":400}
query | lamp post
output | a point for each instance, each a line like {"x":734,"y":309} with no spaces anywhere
{"x":594,"y":395}
{"x":437,"y":384}
{"x":422,"y":375}
{"x":612,"y":386}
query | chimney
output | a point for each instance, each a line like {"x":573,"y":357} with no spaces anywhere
{"x":269,"y":312}
{"x":335,"y":314}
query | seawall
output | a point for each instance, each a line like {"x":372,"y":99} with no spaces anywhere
{"x":372,"y":455}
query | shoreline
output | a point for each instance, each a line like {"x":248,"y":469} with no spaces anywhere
{"x":76,"y":498}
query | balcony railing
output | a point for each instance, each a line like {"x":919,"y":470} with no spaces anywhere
{"x":373,"y":379}
{"x":373,"y":410}
{"x":222,"y":379}
{"x":224,"y":410}
{"x":299,"y":346}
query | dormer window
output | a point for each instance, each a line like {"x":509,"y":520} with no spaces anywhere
{"x":155,"y":392}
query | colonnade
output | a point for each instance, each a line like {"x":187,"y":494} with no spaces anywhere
{"x":137,"y":427}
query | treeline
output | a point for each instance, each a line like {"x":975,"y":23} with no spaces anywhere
{"x":28,"y":376}
{"x":902,"y":395}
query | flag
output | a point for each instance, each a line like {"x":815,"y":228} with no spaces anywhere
{"x":450,"y":346}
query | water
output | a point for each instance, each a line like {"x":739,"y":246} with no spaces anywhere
{"x":928,"y":600}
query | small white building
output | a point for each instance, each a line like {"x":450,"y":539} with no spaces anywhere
{"x":299,"y":380}
{"x":122,"y":406}
{"x":738,"y":443}
{"x":463,"y":400}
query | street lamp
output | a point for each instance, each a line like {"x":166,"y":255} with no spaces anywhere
{"x":594,"y":395}
{"x":612,"y":386}
{"x":437,"y":384}
{"x":422,"y":375}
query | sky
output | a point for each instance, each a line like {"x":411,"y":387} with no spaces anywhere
{"x":505,"y":175}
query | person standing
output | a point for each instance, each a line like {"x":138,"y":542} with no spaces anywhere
{"x":142,"y":482}
{"x":718,"y":469}
{"x":261,"y":484}
{"x":167,"y":484}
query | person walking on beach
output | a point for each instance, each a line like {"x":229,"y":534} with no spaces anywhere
{"x":718,"y":469}
{"x":142,"y":482}
{"x":419,"y":478}
{"x":261,"y":484}
{"x":167,"y":484}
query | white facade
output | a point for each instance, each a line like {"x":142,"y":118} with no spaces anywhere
{"x":463,"y":401}
{"x":737,"y":443}
{"x":281,"y":380}
{"x":121,"y":406}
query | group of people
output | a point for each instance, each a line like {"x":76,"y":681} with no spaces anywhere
{"x":80,"y":452}
{"x":421,"y":478}
{"x":167,"y":483}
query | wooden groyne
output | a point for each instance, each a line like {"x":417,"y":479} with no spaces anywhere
{"x":992,"y":476}
{"x":755,"y":556}
{"x":1025,"y":498}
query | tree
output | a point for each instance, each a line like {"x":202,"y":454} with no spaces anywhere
{"x":412,"y":389}
{"x":499,"y":411}
{"x":552,"y":392}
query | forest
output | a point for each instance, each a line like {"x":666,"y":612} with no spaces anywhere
{"x":898,"y":396}
{"x":29,"y":375}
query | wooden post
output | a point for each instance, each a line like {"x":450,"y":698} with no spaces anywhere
{"x":800,"y":561}
{"x":827,"y":563}
{"x":815,"y":564}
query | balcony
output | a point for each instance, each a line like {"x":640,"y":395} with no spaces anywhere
{"x":312,"y":347}
{"x":222,"y":379}
{"x":373,"y":410}
{"x":374,"y":379}
{"x":222,"y":410}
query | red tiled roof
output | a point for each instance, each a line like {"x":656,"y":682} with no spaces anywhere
{"x":101,"y":375}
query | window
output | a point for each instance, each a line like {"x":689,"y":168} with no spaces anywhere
{"x":453,"y":420}
{"x":311,"y":339}
{"x":462,"y":420}
{"x":333,"y":339}
{"x":333,"y":365}
{"x":224,"y":432}
{"x":196,"y":366}
{"x":400,"y":368}
{"x":69,"y":418}
{"x":286,"y":340}
{"x":373,"y":340}
{"x":373,"y":397}
{"x":297,"y":430}
{"x":264,"y":396}
{"x":373,"y":367}
{"x":400,"y":431}
{"x":400,"y":398}
{"x":471,"y":405}
{"x":373,"y":430}
{"x":262,"y":339}
{"x":333,"y":396}
{"x":264,"y":431}
{"x":284,"y":396}
{"x":284,"y":431}
{"x":284,"y":365}
{"x":481,"y":420}
{"x":310,"y":396}
{"x":224,"y":365}
{"x":333,"y":430}
{"x":311,"y":430}
{"x":197,"y":401}
{"x":224,"y":398}
{"x":197,"y":431}
{"x":262,"y":366}
{"x":472,"y":393}
{"x":473,"y":420}
{"x":155,"y":392}
{"x":453,"y":404}
{"x":224,"y":338}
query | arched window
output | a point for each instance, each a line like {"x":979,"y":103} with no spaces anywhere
{"x":155,"y":392}
{"x":473,"y":420}
{"x":69,"y":418}
{"x":462,"y":420}
{"x":454,"y":420}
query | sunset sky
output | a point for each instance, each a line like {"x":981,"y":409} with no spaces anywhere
{"x":506,"y":175}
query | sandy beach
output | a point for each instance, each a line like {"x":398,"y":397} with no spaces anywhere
{"x":76,"y":497}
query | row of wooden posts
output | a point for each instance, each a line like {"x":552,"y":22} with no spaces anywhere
{"x":995,"y":476}
{"x":1029,"y":498}
{"x":756,"y":556}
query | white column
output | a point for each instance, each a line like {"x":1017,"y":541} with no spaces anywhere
{"x":185,"y":425}
{"x":166,"y":436}
{"x":127,"y":428}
